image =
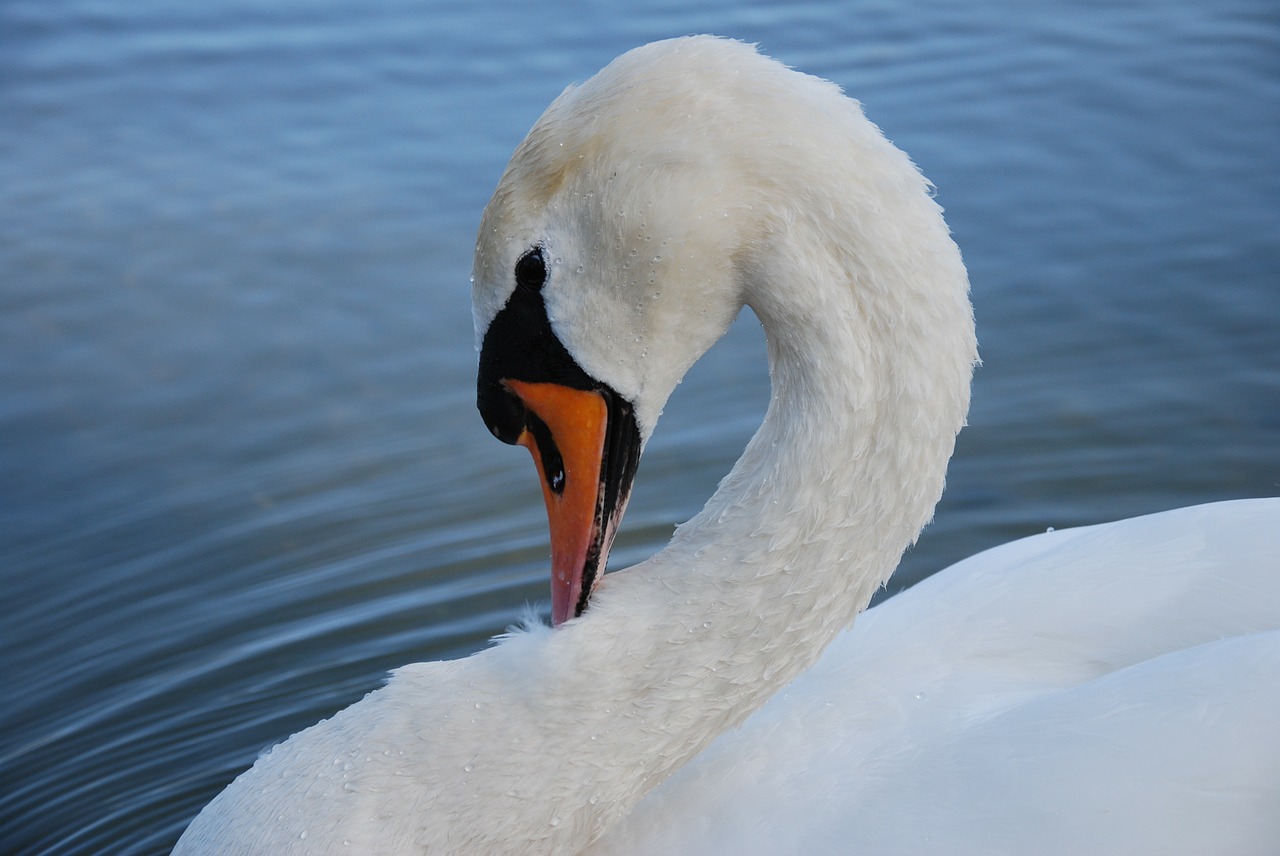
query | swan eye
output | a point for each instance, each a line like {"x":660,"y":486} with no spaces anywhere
{"x":531,"y":270}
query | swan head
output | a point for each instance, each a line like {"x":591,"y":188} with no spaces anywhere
{"x":642,"y":211}
{"x":604,"y":268}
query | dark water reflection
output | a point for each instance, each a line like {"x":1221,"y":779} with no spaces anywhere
{"x":241,"y":476}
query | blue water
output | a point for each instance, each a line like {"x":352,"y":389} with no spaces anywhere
{"x":241,"y":475}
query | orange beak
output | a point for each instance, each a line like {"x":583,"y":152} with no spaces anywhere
{"x":583,"y":435}
{"x":569,"y":443}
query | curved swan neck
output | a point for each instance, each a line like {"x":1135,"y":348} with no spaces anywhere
{"x":864,"y":302}
{"x":864,"y":299}
{"x":869,"y":391}
{"x":870,"y":366}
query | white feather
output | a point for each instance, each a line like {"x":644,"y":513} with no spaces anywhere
{"x":1112,"y":689}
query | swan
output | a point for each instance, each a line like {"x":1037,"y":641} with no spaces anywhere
{"x":1111,"y":689}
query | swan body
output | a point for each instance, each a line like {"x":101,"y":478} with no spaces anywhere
{"x":1110,"y":688}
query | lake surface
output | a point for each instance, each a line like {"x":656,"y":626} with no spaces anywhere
{"x":241,"y":473}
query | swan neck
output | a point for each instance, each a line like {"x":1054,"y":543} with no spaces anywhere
{"x":871,"y":349}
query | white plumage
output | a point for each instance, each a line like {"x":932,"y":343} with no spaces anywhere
{"x":1110,"y":689}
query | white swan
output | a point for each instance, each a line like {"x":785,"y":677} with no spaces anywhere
{"x":1106,"y":690}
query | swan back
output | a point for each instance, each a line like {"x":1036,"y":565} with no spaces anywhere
{"x":1108,"y":689}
